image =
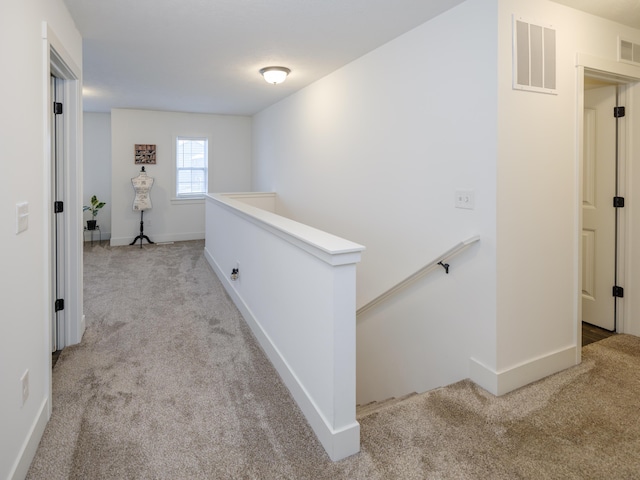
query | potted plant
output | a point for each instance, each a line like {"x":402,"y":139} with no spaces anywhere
{"x":94,"y":208}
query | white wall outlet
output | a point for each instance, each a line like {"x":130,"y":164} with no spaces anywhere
{"x":465,"y":199}
{"x":24,"y":384}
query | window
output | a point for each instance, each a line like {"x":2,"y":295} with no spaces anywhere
{"x":192,"y":158}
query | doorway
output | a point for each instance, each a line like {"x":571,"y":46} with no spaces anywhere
{"x":627,"y":77}
{"x":65,"y":321}
{"x":600,"y":187}
{"x":595,"y":73}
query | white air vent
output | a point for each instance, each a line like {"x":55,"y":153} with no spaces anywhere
{"x":628,"y":52}
{"x":534,"y":57}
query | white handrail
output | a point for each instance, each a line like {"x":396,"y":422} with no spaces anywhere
{"x":418,"y":274}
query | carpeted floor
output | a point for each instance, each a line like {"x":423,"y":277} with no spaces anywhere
{"x":168,"y":383}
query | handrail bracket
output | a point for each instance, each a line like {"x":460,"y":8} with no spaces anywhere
{"x":445,"y":266}
{"x":423,"y":271}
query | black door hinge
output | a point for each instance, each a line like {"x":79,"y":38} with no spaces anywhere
{"x":618,"y":291}
{"x":618,"y":112}
{"x":59,"y":305}
{"x":58,"y":207}
{"x":618,"y":202}
{"x":57,"y":108}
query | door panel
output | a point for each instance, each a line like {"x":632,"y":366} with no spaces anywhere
{"x":58,"y":221}
{"x":599,"y":225}
{"x":588,"y":264}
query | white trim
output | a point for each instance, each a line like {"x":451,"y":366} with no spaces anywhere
{"x":577,"y":238}
{"x":325,"y":246}
{"x":167,"y":237}
{"x":195,"y":200}
{"x":30,"y":446}
{"x":610,"y":67}
{"x":52,"y":39}
{"x":58,"y":60}
{"x":507,"y":380}
{"x":623,"y":180}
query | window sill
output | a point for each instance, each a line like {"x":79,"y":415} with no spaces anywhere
{"x":187,"y":201}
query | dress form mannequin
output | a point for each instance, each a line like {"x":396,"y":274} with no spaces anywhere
{"x":141,"y":185}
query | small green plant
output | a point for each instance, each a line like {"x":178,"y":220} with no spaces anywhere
{"x":95,"y":206}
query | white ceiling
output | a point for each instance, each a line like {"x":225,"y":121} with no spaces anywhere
{"x":626,"y":12}
{"x":204,"y":55}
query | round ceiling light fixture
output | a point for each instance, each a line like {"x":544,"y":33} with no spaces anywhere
{"x":275,"y":75}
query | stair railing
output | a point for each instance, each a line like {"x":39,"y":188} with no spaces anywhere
{"x":438,"y":261}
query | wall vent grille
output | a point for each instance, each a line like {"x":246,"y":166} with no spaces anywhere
{"x":534,"y":57}
{"x":628,"y":52}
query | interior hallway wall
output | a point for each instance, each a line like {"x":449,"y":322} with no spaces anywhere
{"x":25,"y":170}
{"x":375,"y":155}
{"x":171,"y":219}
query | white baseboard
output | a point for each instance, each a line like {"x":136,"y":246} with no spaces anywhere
{"x":167,"y":237}
{"x":103,"y":236}
{"x":28,"y":451}
{"x":499,"y":383}
{"x":338,"y":444}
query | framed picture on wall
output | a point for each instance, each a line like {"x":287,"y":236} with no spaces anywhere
{"x":144,"y":154}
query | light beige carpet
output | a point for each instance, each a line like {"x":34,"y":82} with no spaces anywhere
{"x":168,"y":383}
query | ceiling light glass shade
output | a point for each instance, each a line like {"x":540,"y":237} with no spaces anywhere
{"x":275,"y":75}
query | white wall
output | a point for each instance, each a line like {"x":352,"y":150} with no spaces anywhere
{"x":97,"y":167}
{"x":24,"y":165}
{"x":375,"y":155}
{"x":538,"y":188}
{"x":170,"y":220}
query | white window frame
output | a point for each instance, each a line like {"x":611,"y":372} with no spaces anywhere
{"x":195,"y":197}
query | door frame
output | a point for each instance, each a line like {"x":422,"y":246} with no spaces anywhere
{"x":625,"y":76}
{"x":58,"y":62}
{"x":616,"y":95}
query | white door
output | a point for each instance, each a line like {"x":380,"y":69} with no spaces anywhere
{"x":599,"y":214}
{"x":58,"y":222}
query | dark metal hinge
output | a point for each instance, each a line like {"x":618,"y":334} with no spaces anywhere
{"x":618,"y":202}
{"x":618,"y":112}
{"x":58,"y":207}
{"x":57,"y":108}
{"x":618,"y":291}
{"x":59,"y":304}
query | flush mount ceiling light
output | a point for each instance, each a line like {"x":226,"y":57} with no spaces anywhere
{"x":275,"y":75}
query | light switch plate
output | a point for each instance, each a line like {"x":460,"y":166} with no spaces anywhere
{"x":465,"y":199}
{"x":22,"y":217}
